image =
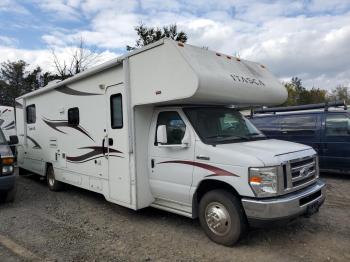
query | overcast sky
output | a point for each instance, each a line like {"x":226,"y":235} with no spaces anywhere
{"x":309,"y":39}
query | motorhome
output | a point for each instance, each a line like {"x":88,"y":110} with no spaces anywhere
{"x":160,"y":127}
{"x":7,"y":121}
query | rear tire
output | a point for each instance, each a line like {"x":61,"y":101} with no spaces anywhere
{"x":222,"y":217}
{"x":52,"y":183}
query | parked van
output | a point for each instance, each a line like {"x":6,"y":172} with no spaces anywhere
{"x":156,"y":127}
{"x":7,"y":175}
{"x":325,"y":127}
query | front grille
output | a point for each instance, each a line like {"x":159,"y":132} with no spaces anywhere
{"x":298,"y":173}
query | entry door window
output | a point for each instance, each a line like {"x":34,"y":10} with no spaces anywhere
{"x":116,"y":111}
{"x":337,"y":125}
{"x":175,"y":126}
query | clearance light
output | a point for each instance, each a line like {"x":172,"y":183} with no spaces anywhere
{"x":229,"y":57}
{"x":180,"y":44}
{"x":218,"y":54}
{"x":238,"y":59}
{"x":262,"y":66}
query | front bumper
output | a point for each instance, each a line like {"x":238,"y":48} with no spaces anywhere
{"x":7,"y":182}
{"x":304,"y":201}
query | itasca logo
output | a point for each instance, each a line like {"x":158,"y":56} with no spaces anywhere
{"x":247,"y":80}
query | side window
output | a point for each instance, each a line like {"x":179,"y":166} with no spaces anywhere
{"x":31,"y":114}
{"x":175,"y":126}
{"x":337,"y":125}
{"x":116,"y":111}
{"x":269,"y":123}
{"x":299,"y":124}
{"x":73,"y":116}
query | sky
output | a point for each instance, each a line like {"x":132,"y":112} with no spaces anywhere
{"x":309,"y":39}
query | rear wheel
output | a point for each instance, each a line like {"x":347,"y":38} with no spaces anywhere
{"x":222,"y":217}
{"x":52,"y":183}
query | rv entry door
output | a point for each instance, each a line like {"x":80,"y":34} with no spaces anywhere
{"x":116,"y":144}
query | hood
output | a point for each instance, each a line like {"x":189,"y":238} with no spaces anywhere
{"x":269,"y":151}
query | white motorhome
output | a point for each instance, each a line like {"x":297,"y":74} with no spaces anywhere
{"x":7,"y":121}
{"x":156,"y":127}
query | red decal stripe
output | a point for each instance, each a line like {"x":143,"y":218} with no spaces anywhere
{"x":217,"y":171}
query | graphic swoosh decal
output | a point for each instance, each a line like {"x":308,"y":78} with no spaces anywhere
{"x":63,"y":123}
{"x":96,"y":152}
{"x":36,"y":145}
{"x":70,"y":91}
{"x":10,"y":124}
{"x":216,"y":170}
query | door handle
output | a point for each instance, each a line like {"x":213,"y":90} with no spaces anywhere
{"x":110,"y":141}
{"x":103,"y":146}
{"x":200,"y":157}
{"x":152,"y":163}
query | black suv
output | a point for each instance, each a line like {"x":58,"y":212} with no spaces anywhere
{"x":324,"y":127}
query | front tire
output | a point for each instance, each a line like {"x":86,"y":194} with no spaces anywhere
{"x":52,"y":183}
{"x":222,"y":217}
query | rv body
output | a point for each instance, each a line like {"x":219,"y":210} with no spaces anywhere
{"x":136,"y":130}
{"x":7,"y":121}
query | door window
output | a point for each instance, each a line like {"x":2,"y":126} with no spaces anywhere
{"x":73,"y":116}
{"x":175,"y":126}
{"x":31,"y":114}
{"x":299,"y":124}
{"x":116,"y":111}
{"x":337,"y":125}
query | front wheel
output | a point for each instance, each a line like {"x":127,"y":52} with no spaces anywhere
{"x":52,"y":183}
{"x":222,"y":217}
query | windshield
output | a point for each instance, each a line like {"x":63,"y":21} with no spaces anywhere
{"x":222,"y":125}
{"x":2,"y":138}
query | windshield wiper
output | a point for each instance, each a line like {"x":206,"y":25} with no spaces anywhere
{"x":228,"y":136}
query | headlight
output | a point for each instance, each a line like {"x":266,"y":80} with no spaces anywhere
{"x":263,"y":181}
{"x":7,"y":170}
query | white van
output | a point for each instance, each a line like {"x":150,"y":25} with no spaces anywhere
{"x":156,"y":127}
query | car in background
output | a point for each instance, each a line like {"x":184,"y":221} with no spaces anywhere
{"x":7,"y":174}
{"x":325,"y":127}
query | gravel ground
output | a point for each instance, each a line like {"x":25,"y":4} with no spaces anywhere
{"x":78,"y":225}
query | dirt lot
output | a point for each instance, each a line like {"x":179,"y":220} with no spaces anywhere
{"x":77,"y":225}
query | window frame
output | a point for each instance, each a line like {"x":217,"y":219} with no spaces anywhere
{"x":70,"y":109}
{"x":30,"y":120}
{"x":157,"y":118}
{"x":112,"y":111}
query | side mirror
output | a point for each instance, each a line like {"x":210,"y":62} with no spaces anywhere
{"x":13,"y":140}
{"x":162,"y":137}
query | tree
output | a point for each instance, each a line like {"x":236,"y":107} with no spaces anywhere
{"x":148,"y":35}
{"x":340,"y":93}
{"x":80,"y":59}
{"x":299,"y":95}
{"x":16,"y":80}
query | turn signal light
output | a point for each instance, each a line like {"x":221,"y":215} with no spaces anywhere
{"x":7,"y":161}
{"x":255,"y":179}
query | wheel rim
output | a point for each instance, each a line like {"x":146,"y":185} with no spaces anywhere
{"x":51,"y":180}
{"x":218,"y":218}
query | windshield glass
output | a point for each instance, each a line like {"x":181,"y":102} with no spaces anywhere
{"x":2,"y":138}
{"x":219,"y":125}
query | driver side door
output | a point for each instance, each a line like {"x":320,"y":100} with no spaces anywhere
{"x":171,"y":169}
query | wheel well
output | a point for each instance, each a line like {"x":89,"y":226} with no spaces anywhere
{"x":206,"y":186}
